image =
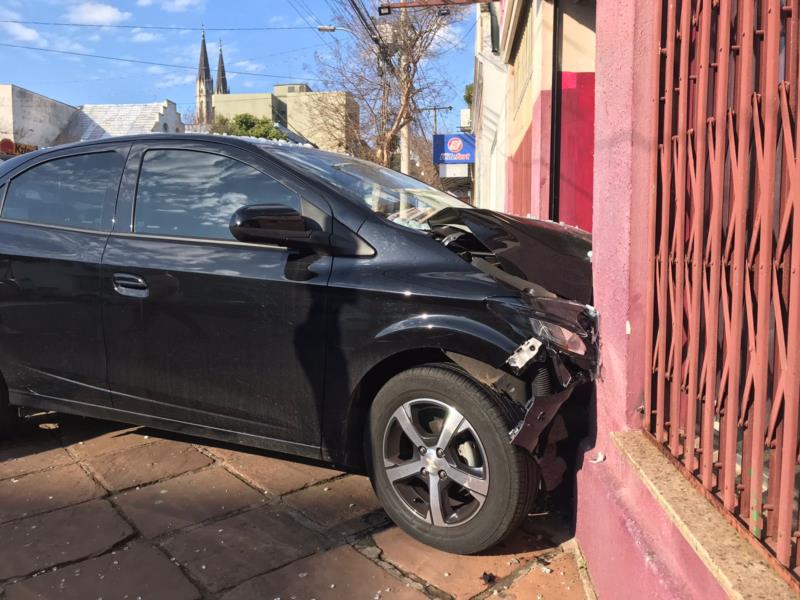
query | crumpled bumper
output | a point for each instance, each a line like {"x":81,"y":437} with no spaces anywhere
{"x":539,"y":413}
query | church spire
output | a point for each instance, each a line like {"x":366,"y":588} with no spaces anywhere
{"x":205,"y":86}
{"x":222,"y":79}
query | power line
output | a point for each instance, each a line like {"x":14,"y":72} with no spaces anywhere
{"x":152,"y":63}
{"x":155,"y":27}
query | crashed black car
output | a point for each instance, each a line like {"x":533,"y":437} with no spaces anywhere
{"x":302,"y":302}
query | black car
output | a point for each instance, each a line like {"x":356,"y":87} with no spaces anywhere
{"x":302,"y":302}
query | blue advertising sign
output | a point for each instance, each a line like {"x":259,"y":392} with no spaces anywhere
{"x":454,"y":149}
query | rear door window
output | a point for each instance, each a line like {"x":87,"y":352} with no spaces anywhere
{"x":189,"y":193}
{"x":68,"y":192}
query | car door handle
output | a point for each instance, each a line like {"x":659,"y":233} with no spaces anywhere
{"x":130,"y":285}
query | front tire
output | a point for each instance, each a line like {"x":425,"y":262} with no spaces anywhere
{"x":442,"y":464}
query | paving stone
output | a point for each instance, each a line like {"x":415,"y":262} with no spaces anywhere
{"x":340,"y":504}
{"x":140,"y":571}
{"x":45,"y":491}
{"x":458,"y":575}
{"x":558,"y":580}
{"x":88,"y":437}
{"x":225,"y":553}
{"x":339,"y":573}
{"x":31,"y":454}
{"x":271,"y":474}
{"x":146,"y":464}
{"x":62,"y":536}
{"x":185,"y":500}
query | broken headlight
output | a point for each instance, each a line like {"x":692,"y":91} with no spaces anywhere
{"x":558,"y":336}
{"x":557,"y":323}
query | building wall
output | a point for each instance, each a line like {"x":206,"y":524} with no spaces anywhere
{"x":169,"y":119}
{"x":576,"y":150}
{"x":327,"y":119}
{"x":489,"y":119}
{"x":632,"y":548}
{"x":528,"y":36}
{"x":261,"y":105}
{"x":30,"y":118}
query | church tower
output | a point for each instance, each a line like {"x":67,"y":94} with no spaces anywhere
{"x":205,"y":87}
{"x":222,"y":79}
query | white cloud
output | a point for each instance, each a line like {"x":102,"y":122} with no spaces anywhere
{"x":174,"y":80}
{"x":249,"y":84}
{"x":449,"y":37}
{"x":63,"y":43}
{"x":248,"y":66}
{"x":180,"y":5}
{"x":277,"y":20}
{"x":95,"y":37}
{"x":95,"y":13}
{"x":144,"y":2}
{"x":18,"y":32}
{"x":155,"y":70}
{"x":142,"y":37}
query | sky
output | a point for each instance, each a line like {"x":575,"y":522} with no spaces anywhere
{"x":259,"y":59}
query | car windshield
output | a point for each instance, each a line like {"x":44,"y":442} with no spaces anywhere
{"x":401,"y":199}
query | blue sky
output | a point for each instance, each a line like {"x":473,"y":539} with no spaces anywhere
{"x":284,"y":53}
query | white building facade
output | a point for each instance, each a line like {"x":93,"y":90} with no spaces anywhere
{"x":489,"y":111}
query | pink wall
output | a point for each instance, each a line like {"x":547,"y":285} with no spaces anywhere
{"x":528,"y":169}
{"x":632,"y":548}
{"x":577,"y":150}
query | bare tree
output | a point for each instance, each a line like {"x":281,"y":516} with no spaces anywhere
{"x":385,"y":70}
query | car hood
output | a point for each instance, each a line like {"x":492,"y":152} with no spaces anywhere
{"x":550,"y":255}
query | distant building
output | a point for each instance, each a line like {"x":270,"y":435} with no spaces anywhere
{"x":204,"y":86}
{"x":329,"y":120}
{"x":31,"y":119}
{"x":94,"y":121}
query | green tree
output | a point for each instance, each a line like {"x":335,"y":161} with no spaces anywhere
{"x":468,"y":91}
{"x":246,"y":124}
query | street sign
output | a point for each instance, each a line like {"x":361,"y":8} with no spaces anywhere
{"x":454,"y":149}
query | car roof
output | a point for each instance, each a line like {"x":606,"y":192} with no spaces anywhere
{"x":247,"y":143}
{"x":233,"y":140}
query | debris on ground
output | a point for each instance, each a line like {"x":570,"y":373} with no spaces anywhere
{"x":488,"y":578}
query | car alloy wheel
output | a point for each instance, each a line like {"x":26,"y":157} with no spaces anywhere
{"x":435,"y":462}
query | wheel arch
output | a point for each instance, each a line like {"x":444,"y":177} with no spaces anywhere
{"x":375,"y":378}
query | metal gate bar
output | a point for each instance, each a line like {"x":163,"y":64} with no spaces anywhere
{"x":723,"y":330}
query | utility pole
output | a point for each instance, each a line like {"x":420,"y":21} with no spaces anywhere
{"x":435,"y":110}
{"x":405,"y":132}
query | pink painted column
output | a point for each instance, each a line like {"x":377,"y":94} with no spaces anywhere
{"x":632,"y":548}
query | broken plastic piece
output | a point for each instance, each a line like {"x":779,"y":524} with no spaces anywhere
{"x":524,"y":354}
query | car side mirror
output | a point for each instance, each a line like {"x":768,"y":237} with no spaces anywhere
{"x":271,"y":224}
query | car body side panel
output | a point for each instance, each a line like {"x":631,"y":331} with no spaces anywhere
{"x":230,"y":335}
{"x":379,"y":308}
{"x":51,"y":335}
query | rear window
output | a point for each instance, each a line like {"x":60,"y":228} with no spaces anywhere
{"x":68,"y":192}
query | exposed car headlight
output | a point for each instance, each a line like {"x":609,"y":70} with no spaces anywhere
{"x":558,"y":336}
{"x":555,"y":323}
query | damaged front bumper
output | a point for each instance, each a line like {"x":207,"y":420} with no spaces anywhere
{"x":561,"y":354}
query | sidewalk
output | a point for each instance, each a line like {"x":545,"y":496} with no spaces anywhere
{"x":90,"y":509}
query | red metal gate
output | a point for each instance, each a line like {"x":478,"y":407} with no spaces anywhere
{"x":723,"y":334}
